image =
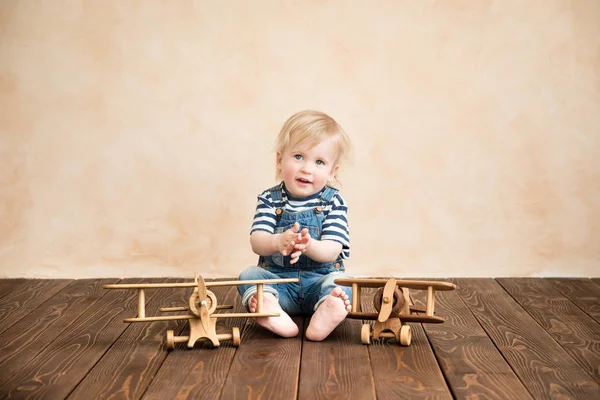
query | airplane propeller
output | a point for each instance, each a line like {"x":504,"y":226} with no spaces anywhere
{"x":387,"y":300}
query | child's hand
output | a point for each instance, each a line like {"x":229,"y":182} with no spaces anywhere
{"x":288,"y":239}
{"x":302,"y":246}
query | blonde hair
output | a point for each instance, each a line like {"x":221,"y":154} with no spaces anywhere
{"x":312,"y":127}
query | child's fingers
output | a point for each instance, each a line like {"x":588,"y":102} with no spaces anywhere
{"x":300,"y":247}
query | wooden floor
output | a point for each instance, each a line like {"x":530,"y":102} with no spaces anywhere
{"x":502,"y":339}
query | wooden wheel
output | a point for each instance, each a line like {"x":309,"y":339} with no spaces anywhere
{"x":170,"y":340}
{"x":365,"y":334}
{"x":397,"y":304}
{"x":235,"y":336}
{"x":405,"y":335}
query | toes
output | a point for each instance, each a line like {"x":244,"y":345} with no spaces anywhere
{"x":338,"y":292}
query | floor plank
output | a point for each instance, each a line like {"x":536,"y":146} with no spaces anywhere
{"x":57,"y":370}
{"x":338,"y":367}
{"x":472,"y":365}
{"x":24,"y":340}
{"x":585,"y":293}
{"x":404,"y":372}
{"x":265,"y":365}
{"x":128,"y":367}
{"x":18,"y":303}
{"x":544,"y":367}
{"x":199,"y":373}
{"x":8,"y":285}
{"x":573,"y":329}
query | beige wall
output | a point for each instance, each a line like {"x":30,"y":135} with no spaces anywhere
{"x":135,"y":136}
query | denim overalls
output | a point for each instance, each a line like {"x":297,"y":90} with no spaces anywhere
{"x":316,"y":279}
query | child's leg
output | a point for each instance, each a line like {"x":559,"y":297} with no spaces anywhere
{"x":332,"y":308}
{"x":282,"y":325}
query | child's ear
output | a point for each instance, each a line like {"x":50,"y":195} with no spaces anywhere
{"x":278,"y":160}
{"x":334,"y":171}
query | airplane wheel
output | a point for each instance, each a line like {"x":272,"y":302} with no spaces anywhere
{"x":405,"y":335}
{"x":365,"y":334}
{"x":235,"y":336}
{"x":170,"y":340}
{"x":398,"y":301}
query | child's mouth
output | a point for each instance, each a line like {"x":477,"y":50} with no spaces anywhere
{"x":303,"y":181}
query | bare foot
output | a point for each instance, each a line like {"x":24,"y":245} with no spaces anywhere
{"x":282,"y":325}
{"x":330,"y":313}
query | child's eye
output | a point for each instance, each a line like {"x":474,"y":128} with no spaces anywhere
{"x":320,"y":162}
{"x":298,"y":157}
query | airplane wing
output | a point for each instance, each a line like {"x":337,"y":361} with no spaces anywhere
{"x":409,"y":284}
{"x":194,"y":284}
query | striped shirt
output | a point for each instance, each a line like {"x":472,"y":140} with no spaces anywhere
{"x":335,"y":224}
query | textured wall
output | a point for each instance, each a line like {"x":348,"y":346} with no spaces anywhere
{"x":135,"y":136}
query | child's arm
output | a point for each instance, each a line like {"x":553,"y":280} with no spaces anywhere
{"x":323,"y":250}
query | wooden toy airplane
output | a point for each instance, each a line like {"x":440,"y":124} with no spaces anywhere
{"x":201,"y":309}
{"x":393,"y":307}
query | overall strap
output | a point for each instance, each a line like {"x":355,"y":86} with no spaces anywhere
{"x":328,"y":194}
{"x":276,"y":193}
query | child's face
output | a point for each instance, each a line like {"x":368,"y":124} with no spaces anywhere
{"x":306,"y":168}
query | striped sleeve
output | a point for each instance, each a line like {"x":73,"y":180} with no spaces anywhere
{"x":335,"y":226}
{"x":264,"y":217}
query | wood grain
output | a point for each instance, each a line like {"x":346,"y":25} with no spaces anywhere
{"x":128,"y":367}
{"x":573,"y":329}
{"x":585,"y":293}
{"x":404,"y":372}
{"x":18,"y":303}
{"x":545,"y":368}
{"x":265,"y":366}
{"x":338,"y":367}
{"x":472,"y":365}
{"x":29,"y":336}
{"x":8,"y":285}
{"x":199,"y":373}
{"x":57,"y":369}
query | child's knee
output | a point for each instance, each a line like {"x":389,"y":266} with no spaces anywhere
{"x":251,"y":273}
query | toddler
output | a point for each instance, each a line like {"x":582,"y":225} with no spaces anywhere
{"x":300,"y":230}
